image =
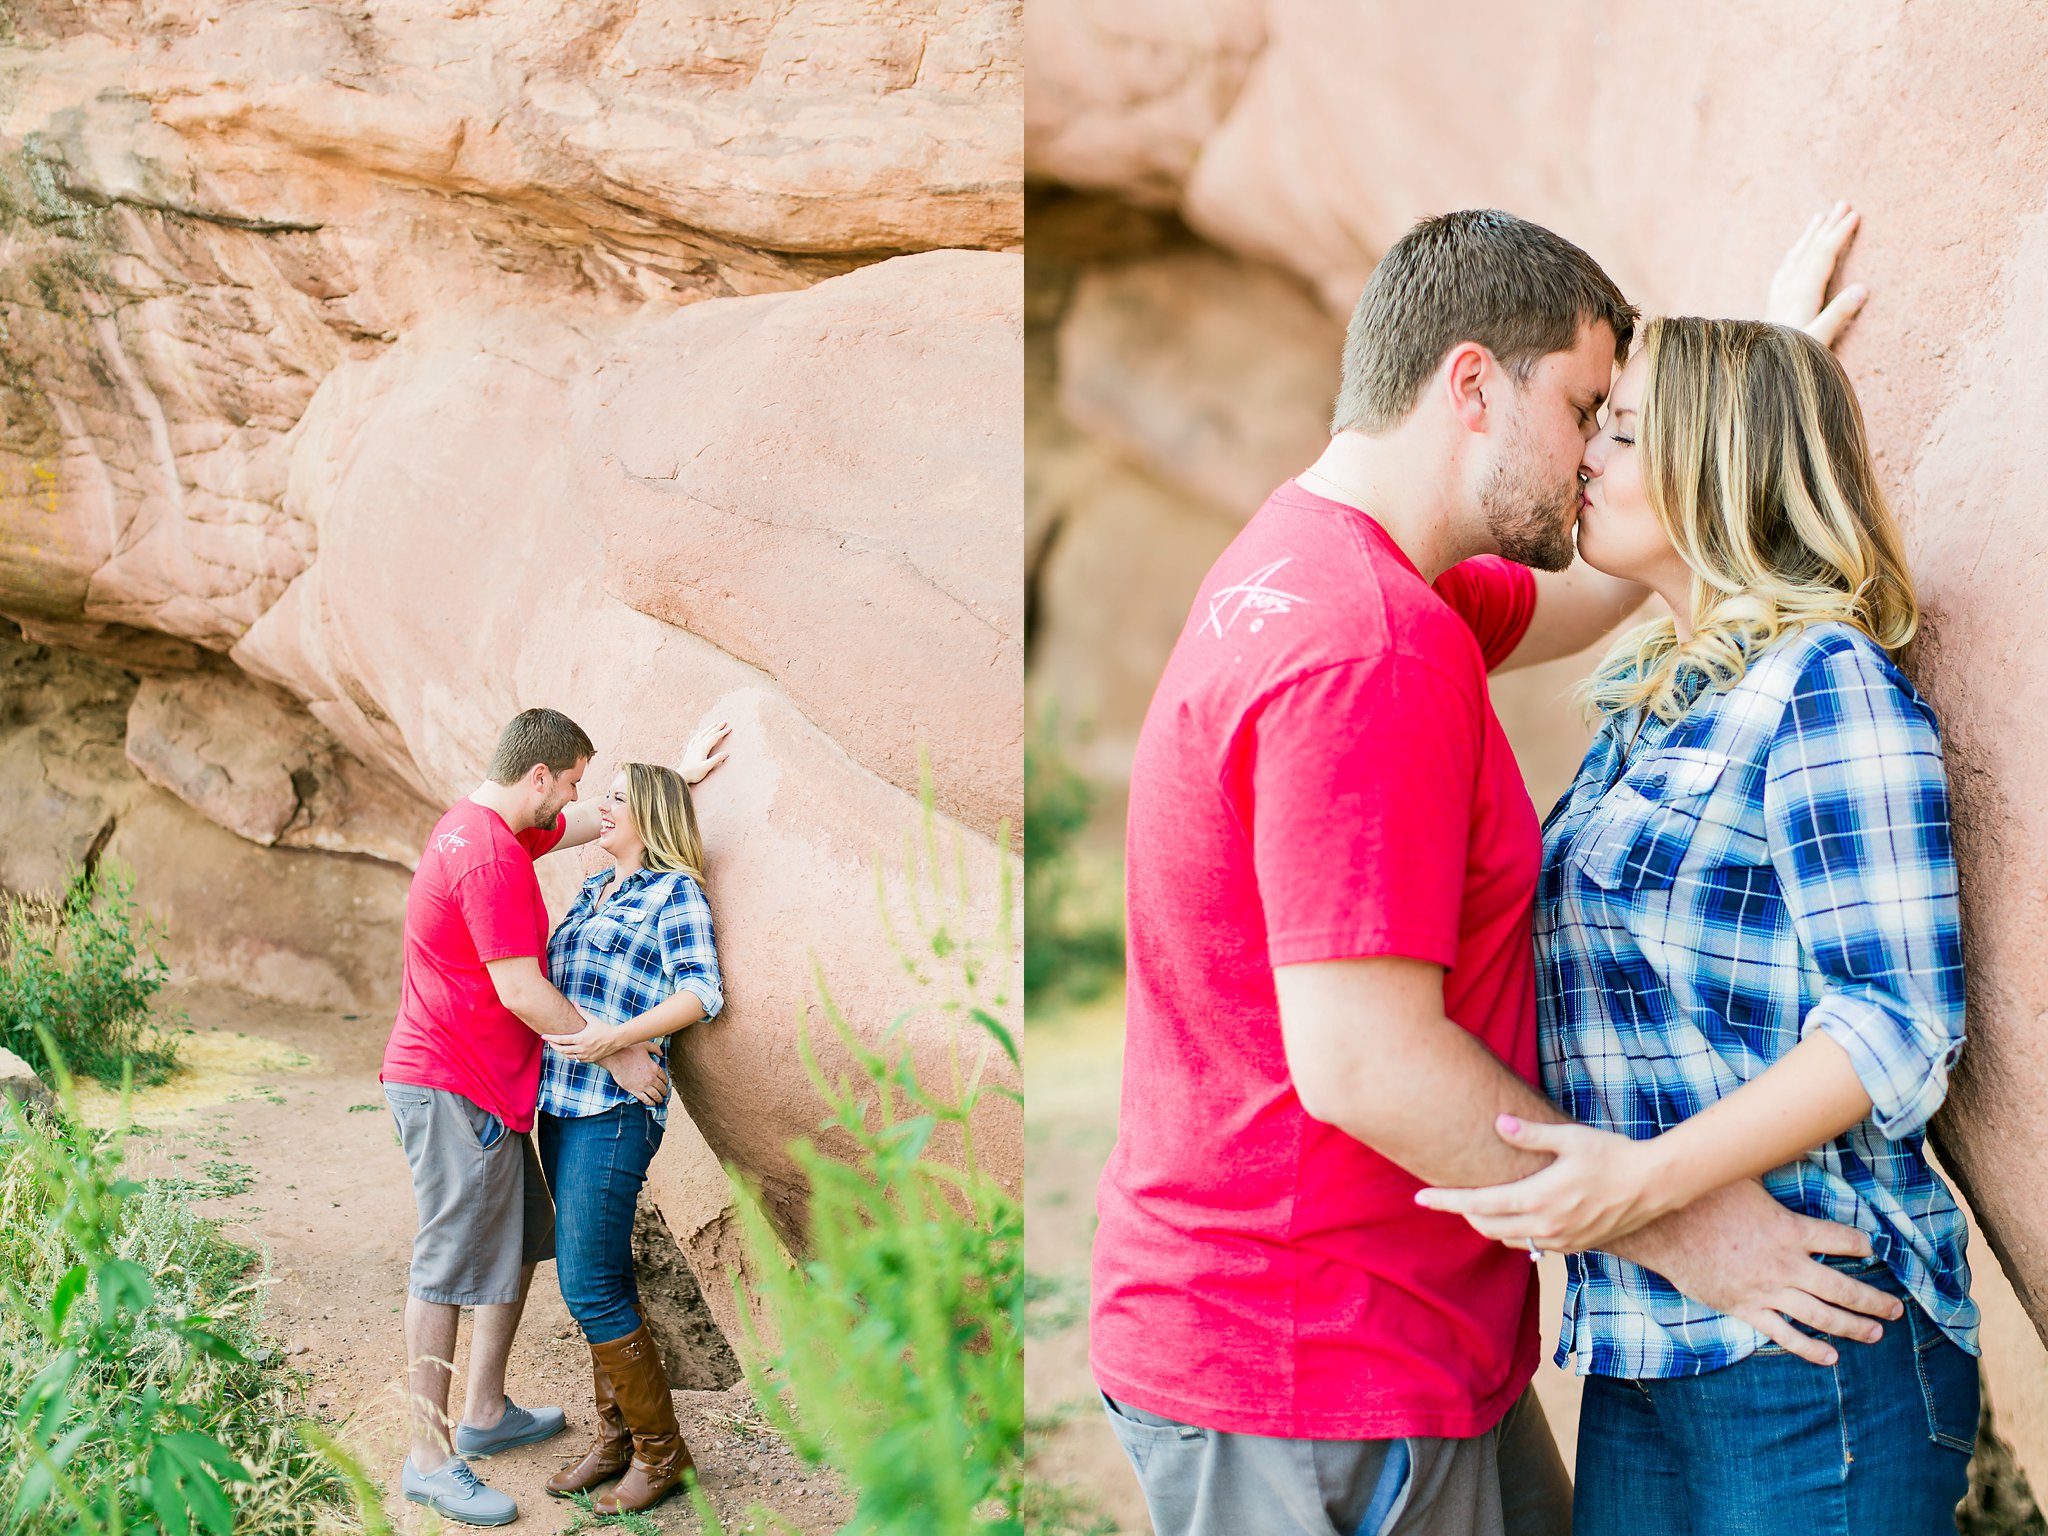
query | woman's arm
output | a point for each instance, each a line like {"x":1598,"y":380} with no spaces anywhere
{"x":579,"y":826}
{"x":596,"y":1041}
{"x":1601,"y":1186}
{"x":1857,"y":816}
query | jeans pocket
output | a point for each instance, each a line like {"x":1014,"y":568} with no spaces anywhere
{"x":1948,"y":1383}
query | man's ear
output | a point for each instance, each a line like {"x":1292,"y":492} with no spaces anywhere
{"x":1470,"y":380}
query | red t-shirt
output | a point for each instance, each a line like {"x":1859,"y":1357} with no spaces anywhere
{"x":474,"y":898}
{"x":1320,"y":776}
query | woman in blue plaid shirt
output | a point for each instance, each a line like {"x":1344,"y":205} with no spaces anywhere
{"x":1749,"y":966}
{"x":636,"y":957}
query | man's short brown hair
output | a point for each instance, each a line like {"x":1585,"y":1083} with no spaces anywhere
{"x":544,"y":736}
{"x":1480,"y":275}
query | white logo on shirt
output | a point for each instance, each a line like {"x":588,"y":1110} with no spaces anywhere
{"x":448,"y":842}
{"x":1253,"y":594}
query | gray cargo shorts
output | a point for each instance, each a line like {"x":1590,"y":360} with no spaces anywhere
{"x":1509,"y":1481}
{"x":483,"y":1205}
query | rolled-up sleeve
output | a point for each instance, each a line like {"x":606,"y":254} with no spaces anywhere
{"x":1857,"y":812}
{"x":689,"y":954}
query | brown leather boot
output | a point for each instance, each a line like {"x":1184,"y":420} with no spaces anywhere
{"x":659,"y":1456}
{"x":613,"y":1450}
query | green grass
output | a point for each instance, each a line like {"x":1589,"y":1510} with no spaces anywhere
{"x":129,"y":1356}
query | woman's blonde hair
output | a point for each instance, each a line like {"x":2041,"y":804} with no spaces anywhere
{"x":1756,"y":466}
{"x":659,"y":801}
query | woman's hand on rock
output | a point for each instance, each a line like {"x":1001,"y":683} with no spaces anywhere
{"x":697,"y":756}
{"x":1801,"y":282}
{"x":1597,"y":1188}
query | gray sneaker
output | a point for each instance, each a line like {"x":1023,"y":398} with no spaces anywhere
{"x":453,"y":1490}
{"x":520,"y":1426}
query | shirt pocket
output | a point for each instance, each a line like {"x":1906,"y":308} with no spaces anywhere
{"x":1680,"y":813}
{"x":615,"y":926}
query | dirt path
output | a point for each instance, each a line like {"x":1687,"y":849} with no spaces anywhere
{"x":280,"y":1118}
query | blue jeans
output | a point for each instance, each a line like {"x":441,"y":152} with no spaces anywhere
{"x":1876,"y":1445}
{"x":595,"y":1165}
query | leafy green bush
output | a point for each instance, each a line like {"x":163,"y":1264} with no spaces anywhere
{"x":1067,"y":952}
{"x":901,"y":1359}
{"x":128,"y":1353}
{"x":82,"y":968}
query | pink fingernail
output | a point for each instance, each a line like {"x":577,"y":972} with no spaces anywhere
{"x":1509,"y":1125}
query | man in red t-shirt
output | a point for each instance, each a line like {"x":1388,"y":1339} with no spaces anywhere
{"x":1331,"y":865}
{"x":461,"y":1074}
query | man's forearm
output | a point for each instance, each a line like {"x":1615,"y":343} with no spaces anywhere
{"x":547,"y":1012}
{"x":1430,"y":1106}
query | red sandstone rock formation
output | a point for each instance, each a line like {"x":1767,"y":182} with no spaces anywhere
{"x":373,"y":371}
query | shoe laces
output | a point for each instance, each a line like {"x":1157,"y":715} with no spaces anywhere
{"x":465,"y":1478}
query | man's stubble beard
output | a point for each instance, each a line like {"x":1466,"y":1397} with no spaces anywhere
{"x":1531,"y":525}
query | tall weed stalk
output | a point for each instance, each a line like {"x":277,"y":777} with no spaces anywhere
{"x":901,"y":1343}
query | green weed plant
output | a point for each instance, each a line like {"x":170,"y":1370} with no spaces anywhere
{"x":129,"y":1366}
{"x":900,"y":1360}
{"x":82,"y":969}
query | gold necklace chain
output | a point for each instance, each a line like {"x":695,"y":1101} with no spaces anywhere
{"x":1348,"y":495}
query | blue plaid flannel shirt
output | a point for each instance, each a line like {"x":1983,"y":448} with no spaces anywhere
{"x":1774,"y":862}
{"x":651,"y":940}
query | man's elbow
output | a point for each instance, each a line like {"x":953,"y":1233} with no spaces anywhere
{"x":1334,"y":1097}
